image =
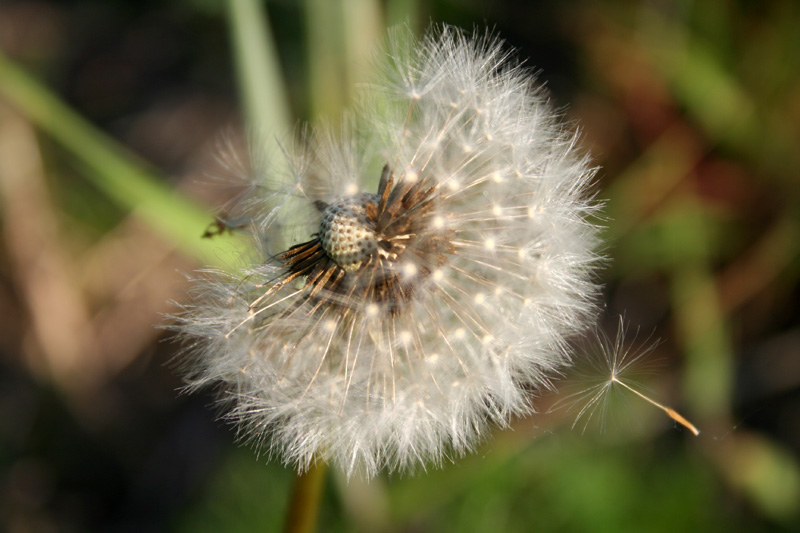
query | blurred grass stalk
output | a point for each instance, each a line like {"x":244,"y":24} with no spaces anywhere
{"x":700,"y":80}
{"x":110,"y":166}
{"x":769,"y":476}
{"x":404,"y":12}
{"x":267,"y":113}
{"x":340,"y":37}
{"x":261,"y":82}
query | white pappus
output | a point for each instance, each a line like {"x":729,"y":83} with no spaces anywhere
{"x":439,"y":257}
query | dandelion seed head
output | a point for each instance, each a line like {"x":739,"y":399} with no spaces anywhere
{"x":345,"y":231}
{"x":403,"y":320}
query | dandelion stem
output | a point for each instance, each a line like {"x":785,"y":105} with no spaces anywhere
{"x":304,"y":505}
{"x":672,"y":413}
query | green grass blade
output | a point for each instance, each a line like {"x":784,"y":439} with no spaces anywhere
{"x":110,"y":166}
{"x":261,"y":83}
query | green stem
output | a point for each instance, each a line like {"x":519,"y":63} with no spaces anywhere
{"x":304,"y":505}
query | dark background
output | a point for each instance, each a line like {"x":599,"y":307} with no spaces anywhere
{"x":692,"y":111}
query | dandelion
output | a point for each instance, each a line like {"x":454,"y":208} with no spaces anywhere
{"x":440,"y":257}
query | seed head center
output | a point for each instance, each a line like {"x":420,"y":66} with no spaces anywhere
{"x":346,"y":232}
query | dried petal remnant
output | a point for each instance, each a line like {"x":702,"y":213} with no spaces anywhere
{"x":369,"y":243}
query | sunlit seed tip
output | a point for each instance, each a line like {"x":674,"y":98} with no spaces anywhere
{"x":410,"y":175}
{"x":479,"y":298}
{"x":677,"y":417}
{"x":489,"y":244}
{"x":372,"y":310}
{"x":351,"y":189}
{"x":438,"y":275}
{"x":409,"y":270}
{"x":459,"y":333}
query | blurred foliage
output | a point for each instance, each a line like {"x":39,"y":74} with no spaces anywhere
{"x":691,"y":109}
